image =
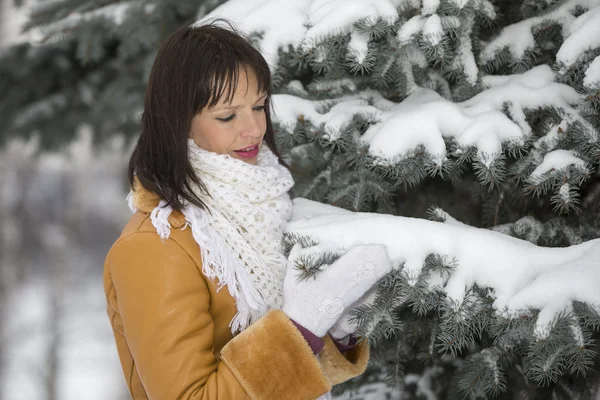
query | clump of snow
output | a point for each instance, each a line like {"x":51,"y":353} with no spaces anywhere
{"x":551,"y":139}
{"x":583,"y":34}
{"x":430,"y":7}
{"x":280,"y":26}
{"x":339,"y":116}
{"x":432,"y":30}
{"x":488,"y":9}
{"x":521,"y":275}
{"x":425,"y":118}
{"x":296,"y":86}
{"x":518,"y":37}
{"x":410,"y":28}
{"x":358,"y":46}
{"x":565,"y":191}
{"x":287,"y":109}
{"x":326,"y":17}
{"x":428,"y":23}
{"x":530,"y":90}
{"x":592,"y":74}
{"x":465,"y":58}
{"x":299,"y":22}
{"x":553,"y":290}
{"x":557,"y":160}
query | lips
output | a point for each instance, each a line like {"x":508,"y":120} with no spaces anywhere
{"x":248,"y":148}
{"x":248,"y":152}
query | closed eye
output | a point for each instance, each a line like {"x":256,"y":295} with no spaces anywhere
{"x":227,"y":119}
{"x":232,"y":116}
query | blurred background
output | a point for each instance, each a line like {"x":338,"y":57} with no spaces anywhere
{"x":59,"y":213}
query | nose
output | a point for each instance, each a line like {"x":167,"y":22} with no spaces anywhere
{"x":251,"y":127}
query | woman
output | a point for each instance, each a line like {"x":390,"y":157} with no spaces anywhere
{"x":211,"y":200}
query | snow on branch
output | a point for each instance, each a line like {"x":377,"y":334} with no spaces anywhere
{"x":556,"y":160}
{"x":288,"y":109}
{"x":280,"y":26}
{"x":426,"y":120}
{"x":519,"y":275}
{"x":313,"y":28}
{"x":592,"y":74}
{"x":334,"y":17}
{"x":581,"y":35}
{"x":304,"y":23}
{"x":115,"y":13}
{"x":519,"y":38}
{"x":561,"y":171}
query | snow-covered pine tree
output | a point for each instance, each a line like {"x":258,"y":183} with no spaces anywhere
{"x":88,"y":65}
{"x":488,"y":109}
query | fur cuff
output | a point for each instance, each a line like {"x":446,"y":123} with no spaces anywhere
{"x":271,"y":360}
{"x":340,"y":367}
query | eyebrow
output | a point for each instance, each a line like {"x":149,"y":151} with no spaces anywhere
{"x":232,"y":107}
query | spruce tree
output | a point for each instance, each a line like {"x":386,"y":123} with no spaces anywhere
{"x":89,"y":64}
{"x":486,"y":111}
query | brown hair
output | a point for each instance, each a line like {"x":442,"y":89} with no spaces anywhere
{"x":193,"y":69}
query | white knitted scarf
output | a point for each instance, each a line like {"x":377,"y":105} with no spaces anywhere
{"x":240,"y":239}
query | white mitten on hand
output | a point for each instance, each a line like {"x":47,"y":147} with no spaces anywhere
{"x":317,"y":303}
{"x":344,"y":326}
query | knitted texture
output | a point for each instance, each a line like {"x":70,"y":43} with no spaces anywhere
{"x":240,"y":238}
{"x":317,"y":303}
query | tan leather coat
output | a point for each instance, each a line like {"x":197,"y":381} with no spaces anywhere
{"x":171,"y":327}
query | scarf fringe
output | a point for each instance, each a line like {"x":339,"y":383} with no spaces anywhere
{"x":219,"y":264}
{"x":130,"y":203}
{"x":160,"y":219}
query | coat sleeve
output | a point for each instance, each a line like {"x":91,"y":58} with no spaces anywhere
{"x":163,"y":302}
{"x":339,"y":367}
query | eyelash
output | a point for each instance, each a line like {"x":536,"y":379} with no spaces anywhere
{"x":227,"y":119}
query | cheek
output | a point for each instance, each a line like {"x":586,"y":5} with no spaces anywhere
{"x":263,"y":123}
{"x":211,"y":136}
{"x":221,"y":139}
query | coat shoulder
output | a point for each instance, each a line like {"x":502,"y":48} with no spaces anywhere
{"x":140,"y":222}
{"x":140,"y":227}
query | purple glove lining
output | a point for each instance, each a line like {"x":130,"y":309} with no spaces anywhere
{"x":345,"y":347}
{"x":315,"y":343}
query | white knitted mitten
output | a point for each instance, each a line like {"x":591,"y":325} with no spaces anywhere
{"x":318,"y":303}
{"x":344,"y":326}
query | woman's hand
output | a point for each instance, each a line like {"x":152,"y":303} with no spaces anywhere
{"x":317,"y":303}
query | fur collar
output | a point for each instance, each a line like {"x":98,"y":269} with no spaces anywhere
{"x":146,"y":201}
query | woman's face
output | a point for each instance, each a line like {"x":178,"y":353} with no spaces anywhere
{"x":232,"y":128}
